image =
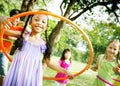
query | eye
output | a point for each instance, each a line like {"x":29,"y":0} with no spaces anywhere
{"x":115,"y":49}
{"x":36,"y":19}
{"x":43,"y":21}
{"x":110,"y":47}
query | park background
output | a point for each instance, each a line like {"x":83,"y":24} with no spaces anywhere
{"x":99,"y":19}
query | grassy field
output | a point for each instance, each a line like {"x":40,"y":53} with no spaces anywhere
{"x":85,"y":79}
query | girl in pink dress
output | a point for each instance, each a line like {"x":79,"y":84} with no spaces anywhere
{"x":65,"y":63}
{"x":26,"y":68}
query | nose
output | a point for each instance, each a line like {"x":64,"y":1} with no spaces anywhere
{"x":113,"y":51}
{"x":40,"y":22}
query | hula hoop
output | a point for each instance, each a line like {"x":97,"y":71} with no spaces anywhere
{"x":117,"y":80}
{"x":104,"y":80}
{"x":64,"y":19}
{"x":2,"y":46}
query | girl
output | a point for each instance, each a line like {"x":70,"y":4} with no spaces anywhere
{"x":106,"y":63}
{"x":65,"y":63}
{"x":26,"y":68}
{"x":8,"y":35}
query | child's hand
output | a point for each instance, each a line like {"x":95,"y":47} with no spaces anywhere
{"x":70,"y":75}
{"x":94,"y":68}
{"x":116,"y":69}
{"x":3,"y":21}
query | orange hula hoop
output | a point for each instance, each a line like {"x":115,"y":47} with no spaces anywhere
{"x":64,"y":19}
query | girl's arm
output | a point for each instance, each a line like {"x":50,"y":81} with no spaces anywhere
{"x":58,"y":68}
{"x":3,"y":21}
{"x":95,"y":68}
{"x":12,"y":38}
{"x":117,"y":69}
{"x":12,"y":33}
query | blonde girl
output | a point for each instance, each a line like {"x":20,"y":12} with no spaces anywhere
{"x":105,"y":64}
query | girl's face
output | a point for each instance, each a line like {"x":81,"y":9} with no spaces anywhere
{"x":68,"y":55}
{"x":39,"y":23}
{"x":16,"y":21}
{"x":113,"y":48}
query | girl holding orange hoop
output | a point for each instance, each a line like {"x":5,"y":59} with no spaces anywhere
{"x":8,"y":35}
{"x":105,"y":64}
{"x":26,"y":68}
{"x":65,"y":62}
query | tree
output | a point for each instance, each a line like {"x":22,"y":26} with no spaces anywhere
{"x":27,"y":5}
{"x":101,"y":34}
{"x":72,"y":9}
{"x":6,"y":6}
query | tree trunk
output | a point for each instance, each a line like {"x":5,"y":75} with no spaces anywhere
{"x":57,"y":31}
{"x":27,"y":5}
{"x":56,"y":34}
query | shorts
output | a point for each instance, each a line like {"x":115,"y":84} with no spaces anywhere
{"x":3,"y":65}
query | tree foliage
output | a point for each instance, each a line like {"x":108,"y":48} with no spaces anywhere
{"x":73,"y":9}
{"x":7,"y":5}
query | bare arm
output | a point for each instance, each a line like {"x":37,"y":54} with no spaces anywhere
{"x":58,"y":68}
{"x":12,"y":33}
{"x":3,"y":21}
{"x":116,"y":69}
{"x":95,"y":68}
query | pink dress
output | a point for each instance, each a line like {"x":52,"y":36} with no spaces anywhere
{"x":66,"y":66}
{"x":26,"y":67}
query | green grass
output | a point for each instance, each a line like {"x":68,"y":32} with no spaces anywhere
{"x":85,"y":79}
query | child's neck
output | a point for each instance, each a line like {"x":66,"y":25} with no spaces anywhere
{"x":35,"y":36}
{"x":67,"y":60}
{"x":109,"y":58}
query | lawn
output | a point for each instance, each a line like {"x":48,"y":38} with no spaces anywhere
{"x":85,"y":79}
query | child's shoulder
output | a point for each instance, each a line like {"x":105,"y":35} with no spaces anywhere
{"x":42,"y":40}
{"x":101,"y":55}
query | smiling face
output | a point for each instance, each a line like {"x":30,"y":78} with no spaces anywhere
{"x":113,"y":48}
{"x":39,"y":23}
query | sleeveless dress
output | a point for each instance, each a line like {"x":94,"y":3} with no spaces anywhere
{"x":26,"y":67}
{"x":66,"y":66}
{"x":105,"y":71}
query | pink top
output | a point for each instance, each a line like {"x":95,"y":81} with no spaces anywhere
{"x":66,"y":66}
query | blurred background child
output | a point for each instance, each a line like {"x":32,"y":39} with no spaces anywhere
{"x":64,"y":62}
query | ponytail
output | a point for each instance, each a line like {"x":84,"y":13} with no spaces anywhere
{"x":19,"y":42}
{"x":48,"y":47}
